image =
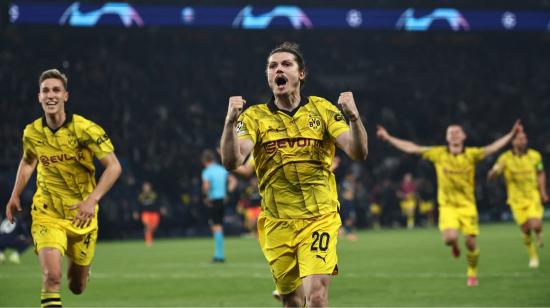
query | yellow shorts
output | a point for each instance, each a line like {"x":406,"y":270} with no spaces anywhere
{"x":524,"y":212}
{"x":425,"y":207}
{"x":78,"y":244}
{"x":375,"y":209}
{"x":460,"y":218}
{"x":408,"y":206}
{"x":296,"y":248}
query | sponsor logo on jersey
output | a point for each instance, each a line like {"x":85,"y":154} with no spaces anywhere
{"x":47,"y":160}
{"x":273,"y":146}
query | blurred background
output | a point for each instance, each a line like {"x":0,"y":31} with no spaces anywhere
{"x":157,"y":76}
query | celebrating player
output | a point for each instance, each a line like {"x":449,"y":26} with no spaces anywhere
{"x":293,"y":140}
{"x":64,"y":209}
{"x":455,"y":169}
{"x":526,"y":187}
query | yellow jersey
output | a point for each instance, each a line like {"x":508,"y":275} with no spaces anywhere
{"x":65,"y":171}
{"x":520,"y":176}
{"x":455,"y":174}
{"x":293,"y":155}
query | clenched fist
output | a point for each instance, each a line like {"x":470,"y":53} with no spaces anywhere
{"x":236,"y":105}
{"x":347,"y":103}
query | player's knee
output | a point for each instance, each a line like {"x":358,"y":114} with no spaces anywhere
{"x":52,"y":279}
{"x":450,"y":240}
{"x":317,"y":298}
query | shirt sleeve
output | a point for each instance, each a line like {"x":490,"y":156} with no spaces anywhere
{"x":501,"y":163}
{"x":97,"y":140}
{"x":539,"y":165}
{"x":431,"y":153}
{"x":204,"y":176}
{"x":476,"y":153}
{"x":336,"y":124}
{"x":246,"y":127}
{"x":28,"y":148}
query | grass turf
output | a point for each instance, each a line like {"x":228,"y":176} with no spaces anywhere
{"x":383,"y":268}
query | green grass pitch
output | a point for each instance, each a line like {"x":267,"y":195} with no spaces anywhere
{"x":383,"y":268}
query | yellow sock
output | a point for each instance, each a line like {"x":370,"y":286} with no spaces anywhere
{"x":531,"y":249}
{"x":50,"y":299}
{"x":472,"y":257}
{"x":410,"y":222}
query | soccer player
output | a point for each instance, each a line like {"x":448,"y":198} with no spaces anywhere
{"x":407,"y":194}
{"x":64,"y":208}
{"x":455,"y":170}
{"x":150,"y":211}
{"x":214,"y":184}
{"x":525,"y":180}
{"x":293,"y":138}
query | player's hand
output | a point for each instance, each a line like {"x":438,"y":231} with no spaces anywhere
{"x":517,"y":128}
{"x":347,"y":103}
{"x":544,"y":197}
{"x":492,"y":174}
{"x":14,"y":204}
{"x":236,"y":105}
{"x":382,"y":133}
{"x":85,"y":213}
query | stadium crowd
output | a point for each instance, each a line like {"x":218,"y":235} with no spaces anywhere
{"x":162,"y":96}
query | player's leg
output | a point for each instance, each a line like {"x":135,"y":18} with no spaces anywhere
{"x":450,"y":238}
{"x":448,"y":225}
{"x":522,"y":217}
{"x":80,"y":250}
{"x":50,"y":242}
{"x":216,"y":212}
{"x":281,"y":257}
{"x":295,"y":298}
{"x":317,"y":257}
{"x":472,"y":256}
{"x":536,"y":226}
{"x":78,"y":276}
{"x":470,"y":228}
{"x":50,"y":264}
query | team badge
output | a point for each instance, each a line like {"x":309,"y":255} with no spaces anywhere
{"x":72,"y":142}
{"x":315,"y":122}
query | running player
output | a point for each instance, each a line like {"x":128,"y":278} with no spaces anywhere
{"x":293,"y":140}
{"x":455,"y":169}
{"x":64,"y":209}
{"x":525,"y":179}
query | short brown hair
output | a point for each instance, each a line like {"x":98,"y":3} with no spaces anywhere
{"x":53,"y":73}
{"x":294,"y":49}
{"x":208,"y":156}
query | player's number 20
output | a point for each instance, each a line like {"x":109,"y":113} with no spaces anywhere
{"x":320,"y":241}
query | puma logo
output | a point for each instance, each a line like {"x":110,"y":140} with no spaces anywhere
{"x":322,"y":258}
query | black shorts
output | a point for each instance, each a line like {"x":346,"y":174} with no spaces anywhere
{"x":216,"y":210}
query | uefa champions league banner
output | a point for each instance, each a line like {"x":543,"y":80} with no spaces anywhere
{"x":75,"y":14}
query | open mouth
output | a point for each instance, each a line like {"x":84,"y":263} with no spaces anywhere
{"x":280,"y":81}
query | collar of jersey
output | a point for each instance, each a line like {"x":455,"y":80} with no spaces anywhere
{"x":68,"y":119}
{"x":304,"y":99}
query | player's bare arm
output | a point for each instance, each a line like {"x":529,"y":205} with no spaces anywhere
{"x":541,"y":180}
{"x":402,"y":145}
{"x":355,"y":141}
{"x":494,"y":172}
{"x":233,"y":151}
{"x":504,"y":140}
{"x":24,"y":173}
{"x":85,"y":210}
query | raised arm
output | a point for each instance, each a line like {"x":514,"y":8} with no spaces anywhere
{"x":355,"y":141}
{"x":502,"y":141}
{"x":541,"y":179}
{"x":24,"y":173}
{"x":233,"y":151}
{"x":402,"y":145}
